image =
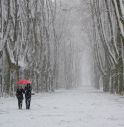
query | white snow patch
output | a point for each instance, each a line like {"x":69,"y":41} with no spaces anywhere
{"x":84,"y":107}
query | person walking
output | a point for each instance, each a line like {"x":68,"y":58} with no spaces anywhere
{"x":19,"y":95}
{"x":28,"y":90}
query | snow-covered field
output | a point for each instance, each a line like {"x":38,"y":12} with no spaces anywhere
{"x":82,"y":107}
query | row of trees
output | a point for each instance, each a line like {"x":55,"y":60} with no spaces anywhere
{"x":107,"y":36}
{"x":34,"y":46}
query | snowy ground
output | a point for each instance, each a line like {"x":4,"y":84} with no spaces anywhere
{"x":84,"y":107}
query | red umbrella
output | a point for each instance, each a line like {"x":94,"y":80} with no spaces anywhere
{"x":23,"y":82}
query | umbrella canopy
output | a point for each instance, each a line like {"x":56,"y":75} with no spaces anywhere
{"x":23,"y":82}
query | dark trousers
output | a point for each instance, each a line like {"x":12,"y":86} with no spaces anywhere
{"x":28,"y":101}
{"x":20,"y":103}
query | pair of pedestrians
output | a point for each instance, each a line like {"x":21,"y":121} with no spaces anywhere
{"x":19,"y":94}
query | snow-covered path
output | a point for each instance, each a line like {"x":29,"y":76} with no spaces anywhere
{"x":84,"y":107}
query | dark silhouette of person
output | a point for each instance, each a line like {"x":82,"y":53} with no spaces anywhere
{"x":28,"y":90}
{"x":19,"y":95}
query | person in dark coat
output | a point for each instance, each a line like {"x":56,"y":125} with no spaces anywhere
{"x":19,"y":95}
{"x":28,"y":90}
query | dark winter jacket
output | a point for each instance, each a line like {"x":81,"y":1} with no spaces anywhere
{"x":28,"y":90}
{"x":19,"y":93}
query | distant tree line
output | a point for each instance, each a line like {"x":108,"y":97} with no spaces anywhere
{"x":107,"y":36}
{"x":32,"y":46}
